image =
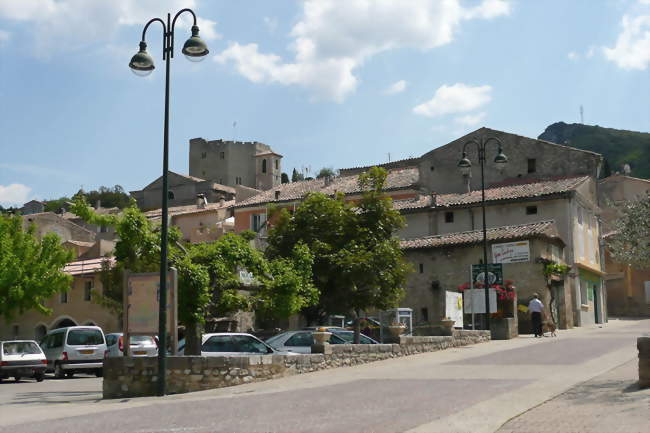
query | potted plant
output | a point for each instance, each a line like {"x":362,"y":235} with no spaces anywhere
{"x":321,"y":336}
{"x":447,"y":322}
{"x":396,"y":329}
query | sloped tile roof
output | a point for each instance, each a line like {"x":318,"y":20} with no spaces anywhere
{"x":81,"y":267}
{"x":396,"y":180}
{"x":188,"y":209}
{"x":522,"y":189}
{"x":545,"y":229}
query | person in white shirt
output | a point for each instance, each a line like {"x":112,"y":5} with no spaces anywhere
{"x":535,"y":308}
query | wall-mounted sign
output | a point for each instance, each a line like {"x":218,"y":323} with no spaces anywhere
{"x":495,"y":273}
{"x":511,"y":252}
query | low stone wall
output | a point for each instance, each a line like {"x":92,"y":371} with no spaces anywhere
{"x":137,"y":377}
{"x":643,"y":344}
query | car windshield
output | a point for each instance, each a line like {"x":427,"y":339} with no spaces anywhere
{"x":21,"y":347}
{"x":85,"y":337}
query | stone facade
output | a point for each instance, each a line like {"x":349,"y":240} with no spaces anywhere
{"x":136,"y":377}
{"x":248,"y":163}
{"x":49,"y":222}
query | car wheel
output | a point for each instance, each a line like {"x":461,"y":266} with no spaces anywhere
{"x":99,"y":372}
{"x":69,"y":374}
{"x":17,"y":378}
{"x":58,"y":371}
{"x":39,"y":377}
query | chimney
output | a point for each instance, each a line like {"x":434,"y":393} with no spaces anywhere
{"x":201,"y":201}
{"x":433,"y":199}
{"x":329,"y":180}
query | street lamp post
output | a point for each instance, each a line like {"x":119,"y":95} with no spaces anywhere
{"x":142,"y":64}
{"x":465,"y":166}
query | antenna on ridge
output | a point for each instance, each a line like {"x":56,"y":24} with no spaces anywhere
{"x":582,"y":115}
{"x":234,"y":131}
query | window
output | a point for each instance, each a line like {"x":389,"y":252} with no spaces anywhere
{"x":531,"y":210}
{"x":238,"y":180}
{"x":277,"y":195}
{"x":257,"y":221}
{"x":277,"y":164}
{"x":111,"y":339}
{"x":449,"y":217}
{"x":103,"y":229}
{"x":222,"y":155}
{"x":88,"y":287}
{"x":532,"y":165}
{"x":56,"y":340}
{"x":203,"y":173}
{"x":421,"y":268}
{"x":85,"y":337}
{"x":204,"y":155}
{"x":170,"y":195}
{"x":301,"y":339}
{"x":424,"y":313}
{"x":64,"y":297}
{"x":264,"y":166}
{"x":579,"y":215}
{"x":218,"y":343}
{"x":431,"y":168}
{"x":244,"y":343}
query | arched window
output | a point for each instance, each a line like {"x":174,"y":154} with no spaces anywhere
{"x":264,"y":166}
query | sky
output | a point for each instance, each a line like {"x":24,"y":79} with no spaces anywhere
{"x":326,"y":83}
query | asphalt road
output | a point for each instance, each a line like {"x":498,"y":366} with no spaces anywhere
{"x":469,"y":389}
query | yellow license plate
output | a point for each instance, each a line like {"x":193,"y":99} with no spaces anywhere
{"x":86,"y":352}
{"x":140,"y":352}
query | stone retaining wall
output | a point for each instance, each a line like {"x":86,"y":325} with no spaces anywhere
{"x":136,"y":377}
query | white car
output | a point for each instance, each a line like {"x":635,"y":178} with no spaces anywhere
{"x":141,"y":345}
{"x":75,"y":349}
{"x":233,"y":344}
{"x":22,"y":358}
{"x":299,"y":341}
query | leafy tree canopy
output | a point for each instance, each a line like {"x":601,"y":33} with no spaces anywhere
{"x":297,"y":176}
{"x":31,"y":270}
{"x":109,"y":197}
{"x":631,"y":242}
{"x":358,"y":263}
{"x":325,"y":172}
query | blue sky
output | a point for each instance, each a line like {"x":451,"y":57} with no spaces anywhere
{"x":334,"y":83}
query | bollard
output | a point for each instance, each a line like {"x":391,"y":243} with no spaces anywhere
{"x":643,"y":344}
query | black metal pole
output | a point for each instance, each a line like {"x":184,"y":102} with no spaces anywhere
{"x":162,"y":312}
{"x":486,"y":280}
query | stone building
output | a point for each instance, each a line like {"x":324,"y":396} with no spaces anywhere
{"x":628,"y":288}
{"x":249,"y":163}
{"x":570,"y":202}
{"x":183,"y":191}
{"x":32,"y":207}
{"x":49,"y":222}
{"x":75,"y":307}
{"x":442,"y":263}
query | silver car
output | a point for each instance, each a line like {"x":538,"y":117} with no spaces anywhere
{"x":21,"y":358}
{"x":233,"y":344}
{"x":75,"y":349}
{"x":299,"y":341}
{"x":141,"y":345}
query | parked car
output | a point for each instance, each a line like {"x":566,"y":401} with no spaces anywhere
{"x":346,"y":334}
{"x":299,"y":341}
{"x":76,"y":349}
{"x":141,"y":345}
{"x":232,"y":344}
{"x":22,"y":358}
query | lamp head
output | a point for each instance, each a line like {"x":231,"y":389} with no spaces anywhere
{"x":141,"y":63}
{"x":465,"y":165}
{"x":194,"y":48}
{"x":501,"y":160}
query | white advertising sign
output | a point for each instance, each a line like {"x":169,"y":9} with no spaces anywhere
{"x":512,"y":252}
{"x":475,"y":298}
{"x":454,"y":308}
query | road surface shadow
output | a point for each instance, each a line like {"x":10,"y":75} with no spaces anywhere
{"x":56,"y":397}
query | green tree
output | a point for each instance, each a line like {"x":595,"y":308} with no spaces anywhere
{"x":325,"y":172}
{"x":630,"y":243}
{"x":296,"y":176}
{"x":31,"y":270}
{"x":284,"y":178}
{"x":208,"y":273}
{"x":358,"y":263}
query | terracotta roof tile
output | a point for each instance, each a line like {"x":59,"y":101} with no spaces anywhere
{"x":396,"y":180}
{"x":539,"y":229}
{"x":188,"y":209}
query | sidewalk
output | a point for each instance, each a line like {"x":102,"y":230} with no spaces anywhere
{"x":609,"y":403}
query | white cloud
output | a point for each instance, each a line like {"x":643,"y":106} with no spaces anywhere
{"x":458,"y":98}
{"x":4,"y":37}
{"x":65,"y":25}
{"x":590,"y":52}
{"x":573,"y":56}
{"x":470,"y":119}
{"x":632,"y":49}
{"x":396,"y":87}
{"x":330,"y":42}
{"x":15,"y":193}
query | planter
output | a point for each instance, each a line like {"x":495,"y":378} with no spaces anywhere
{"x":447,"y":326}
{"x":504,"y":328}
{"x":321,"y":337}
{"x":396,"y":331}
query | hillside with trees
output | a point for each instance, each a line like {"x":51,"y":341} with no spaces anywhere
{"x":618,"y":146}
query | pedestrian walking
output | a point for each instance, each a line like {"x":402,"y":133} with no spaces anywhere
{"x":535,"y":307}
